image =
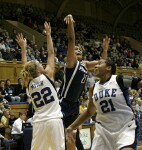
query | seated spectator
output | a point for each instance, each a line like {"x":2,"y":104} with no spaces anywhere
{"x":135,"y":64}
{"x":2,"y":46}
{"x":12,"y":119}
{"x":11,"y":91}
{"x":1,"y":59}
{"x":1,"y":106}
{"x":134,"y":75}
{"x":59,"y":75}
{"x":17,"y":130}
{"x":9,"y":54}
{"x":5,"y":119}
{"x":43,"y":56}
{"x":20,"y":90}
{"x":82,"y":104}
{"x":4,"y":142}
{"x":5,"y":122}
{"x":3,"y":92}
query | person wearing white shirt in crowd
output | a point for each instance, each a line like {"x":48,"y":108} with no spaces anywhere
{"x":17,"y":132}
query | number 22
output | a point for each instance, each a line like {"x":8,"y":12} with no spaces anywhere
{"x":43,"y":97}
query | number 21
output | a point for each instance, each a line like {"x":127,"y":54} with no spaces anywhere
{"x":107,"y":106}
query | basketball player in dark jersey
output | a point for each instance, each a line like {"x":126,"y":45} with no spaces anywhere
{"x":76,"y":73}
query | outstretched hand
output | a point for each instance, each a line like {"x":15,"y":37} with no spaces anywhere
{"x":47,"y":28}
{"x":22,"y":42}
{"x":69,"y":134}
{"x":69,"y":19}
{"x":105,"y":44}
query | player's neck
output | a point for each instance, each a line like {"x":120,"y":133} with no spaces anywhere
{"x":105,"y":78}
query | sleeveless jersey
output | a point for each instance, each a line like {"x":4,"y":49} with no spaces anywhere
{"x":44,"y":98}
{"x":74,"y":82}
{"x":112,"y":103}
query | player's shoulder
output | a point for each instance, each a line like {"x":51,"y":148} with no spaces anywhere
{"x":83,"y":63}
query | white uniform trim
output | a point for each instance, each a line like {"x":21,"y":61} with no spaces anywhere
{"x":70,"y":80}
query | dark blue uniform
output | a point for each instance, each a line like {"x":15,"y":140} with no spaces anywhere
{"x":70,"y":91}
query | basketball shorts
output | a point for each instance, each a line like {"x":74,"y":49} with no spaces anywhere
{"x":48,"y":135}
{"x":106,"y":140}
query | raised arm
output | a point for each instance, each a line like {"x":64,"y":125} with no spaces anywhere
{"x":22,"y":42}
{"x":50,"y":67}
{"x":91,"y":64}
{"x":71,"y":57}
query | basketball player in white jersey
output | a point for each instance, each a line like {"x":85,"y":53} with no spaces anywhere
{"x":48,"y":130}
{"x":76,"y":73}
{"x":116,"y":126}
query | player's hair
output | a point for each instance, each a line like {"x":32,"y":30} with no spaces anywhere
{"x":29,"y":71}
{"x":111,"y":63}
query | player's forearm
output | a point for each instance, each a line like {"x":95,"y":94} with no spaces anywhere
{"x":71,"y":33}
{"x":24,"y":55}
{"x":50,"y":45}
{"x":81,"y":119}
{"x":104,"y":54}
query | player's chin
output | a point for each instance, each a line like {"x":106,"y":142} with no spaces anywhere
{"x":79,"y":57}
{"x":96,"y":73}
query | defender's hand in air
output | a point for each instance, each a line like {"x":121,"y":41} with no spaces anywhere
{"x":22,"y":42}
{"x":69,"y":19}
{"x":105,"y":44}
{"x":47,"y":28}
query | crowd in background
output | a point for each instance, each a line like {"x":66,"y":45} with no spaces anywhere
{"x":86,"y":37}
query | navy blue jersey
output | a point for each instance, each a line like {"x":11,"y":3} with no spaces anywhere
{"x":70,"y":91}
{"x":74,"y":82}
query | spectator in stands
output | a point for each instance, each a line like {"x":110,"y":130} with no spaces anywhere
{"x":140,"y":76}
{"x":59,"y":75}
{"x":8,"y":43}
{"x":17,"y":130}
{"x":5,"y":119}
{"x":4,"y":94}
{"x":134,"y":75}
{"x":1,"y":59}
{"x":82,"y":104}
{"x":37,"y":56}
{"x":20,"y":90}
{"x":2,"y":46}
{"x":1,"y":105}
{"x":12,"y":119}
{"x":4,"y":142}
{"x":61,"y":58}
{"x":11,"y":91}
{"x":5,"y":124}
{"x":43,"y":56}
{"x":135,"y":64}
{"x":9,"y":54}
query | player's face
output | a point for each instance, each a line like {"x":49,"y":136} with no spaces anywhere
{"x":78,"y":53}
{"x":100,"y":69}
